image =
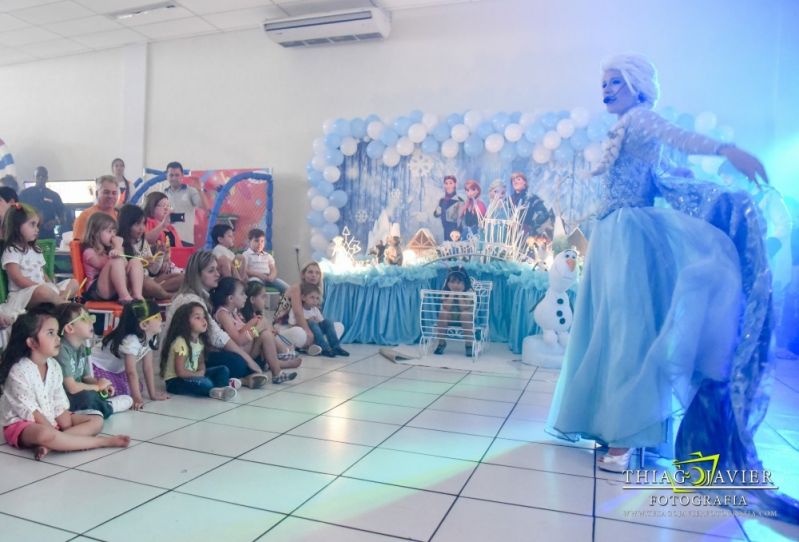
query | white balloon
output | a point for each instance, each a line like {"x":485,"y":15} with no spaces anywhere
{"x":391,"y":157}
{"x":405,"y":146}
{"x":331,"y":174}
{"x":319,"y":242}
{"x":319,"y":162}
{"x":449,"y":148}
{"x":331,"y":214}
{"x":429,"y":120}
{"x":472,"y":119}
{"x":312,"y":192}
{"x":705,"y":121}
{"x":565,"y":128}
{"x":460,"y":132}
{"x":593,"y":152}
{"x":319,"y":146}
{"x":417,"y":132}
{"x":514,"y":132}
{"x":349,"y":146}
{"x":551,"y":140}
{"x":526,"y":119}
{"x":375,"y":129}
{"x":319,"y":203}
{"x":541,"y":154}
{"x":327,"y":126}
{"x":494,"y":143}
{"x":580,"y":116}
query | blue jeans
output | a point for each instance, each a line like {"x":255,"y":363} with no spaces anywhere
{"x":235,"y":363}
{"x":278,"y":284}
{"x":215,"y":377}
{"x":324,"y":334}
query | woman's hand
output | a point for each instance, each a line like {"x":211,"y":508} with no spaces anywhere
{"x":746,"y":163}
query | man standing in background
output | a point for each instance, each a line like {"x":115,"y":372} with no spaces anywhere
{"x":184,"y":200}
{"x":46,"y":202}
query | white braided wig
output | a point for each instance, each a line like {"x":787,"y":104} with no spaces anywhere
{"x":639,"y":74}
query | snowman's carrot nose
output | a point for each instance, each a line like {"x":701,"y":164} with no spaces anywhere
{"x":571,"y":264}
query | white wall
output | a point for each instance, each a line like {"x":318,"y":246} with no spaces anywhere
{"x":239,"y":100}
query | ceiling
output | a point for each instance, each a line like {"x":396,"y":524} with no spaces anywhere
{"x":36,"y":29}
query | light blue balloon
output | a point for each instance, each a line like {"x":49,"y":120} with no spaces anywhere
{"x":389,"y":137}
{"x":374,"y":149}
{"x":596,"y":130}
{"x":332,"y":140}
{"x":563,"y":114}
{"x":318,"y":255}
{"x":579,"y":140}
{"x":330,"y":230}
{"x":316,"y":177}
{"x":563,"y":153}
{"x":485,"y":129}
{"x":549,"y":120}
{"x":334,"y":157}
{"x":516,"y":116}
{"x":534,"y":133}
{"x":371,"y":118}
{"x":315,"y":218}
{"x":342,"y":127}
{"x":325,"y":188}
{"x":473,"y":146}
{"x":524,"y":148}
{"x":358,"y":128}
{"x":309,"y":168}
{"x":401,"y":126}
{"x":500,"y":120}
{"x":416,"y":116}
{"x":508,"y":151}
{"x":338,"y":198}
{"x":454,"y":118}
{"x":430,"y":145}
{"x":441,"y":132}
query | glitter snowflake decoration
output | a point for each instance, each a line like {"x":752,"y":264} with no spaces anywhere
{"x":420,"y":163}
{"x":361,"y":216}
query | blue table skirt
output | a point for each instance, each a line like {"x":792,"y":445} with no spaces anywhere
{"x":380,"y":305}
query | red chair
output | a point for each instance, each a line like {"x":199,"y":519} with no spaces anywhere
{"x":110,"y":311}
{"x":180,"y":255}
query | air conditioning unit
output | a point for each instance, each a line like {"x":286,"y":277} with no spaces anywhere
{"x":327,"y":28}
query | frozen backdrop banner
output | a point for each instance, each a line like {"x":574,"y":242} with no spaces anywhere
{"x":369,"y":173}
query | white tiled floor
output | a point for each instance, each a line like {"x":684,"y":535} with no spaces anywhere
{"x":361,"y":450}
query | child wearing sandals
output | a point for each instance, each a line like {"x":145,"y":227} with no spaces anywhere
{"x":455,"y":311}
{"x":130,"y":343}
{"x":183,"y":360}
{"x":255,"y":336}
{"x":84,"y":391}
{"x":324,"y":332}
{"x":108,"y":273}
{"x":24,"y":263}
{"x":34,"y":409}
{"x":257,"y":301}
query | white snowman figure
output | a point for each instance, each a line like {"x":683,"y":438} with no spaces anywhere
{"x":553,"y":314}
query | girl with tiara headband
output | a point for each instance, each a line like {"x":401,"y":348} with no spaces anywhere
{"x":673,"y":303}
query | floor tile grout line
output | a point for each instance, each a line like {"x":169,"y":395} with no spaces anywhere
{"x":349,"y":527}
{"x":68,"y":531}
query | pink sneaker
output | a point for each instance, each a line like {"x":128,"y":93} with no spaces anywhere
{"x":234,"y":383}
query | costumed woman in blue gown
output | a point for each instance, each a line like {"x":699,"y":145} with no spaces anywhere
{"x":674,"y":310}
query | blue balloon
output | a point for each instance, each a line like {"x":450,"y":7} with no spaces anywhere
{"x":549,"y":120}
{"x":473,"y":146}
{"x":342,"y":127}
{"x":508,"y":151}
{"x":485,"y":129}
{"x":516,"y":116}
{"x":338,"y":198}
{"x":430,"y":145}
{"x":334,"y":157}
{"x":374,"y":149}
{"x":416,"y":116}
{"x":325,"y":188}
{"x":563,"y":114}
{"x":358,"y":128}
{"x":315,"y":218}
{"x":318,"y":255}
{"x":524,"y":148}
{"x":454,"y":118}
{"x":332,"y":140}
{"x":441,"y":132}
{"x":371,"y":118}
{"x":316,"y":177}
{"x":401,"y":126}
{"x":534,"y":133}
{"x":330,"y":230}
{"x":579,"y":140}
{"x":500,"y":120}
{"x":389,"y":137}
{"x":596,"y":130}
{"x":563,"y":153}
{"x":309,"y":168}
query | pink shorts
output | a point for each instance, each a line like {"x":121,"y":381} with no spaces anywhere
{"x":12,"y":432}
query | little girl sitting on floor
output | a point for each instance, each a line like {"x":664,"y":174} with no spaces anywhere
{"x":257,"y":301}
{"x":455,"y":310}
{"x":34,"y":410}
{"x":24,"y":263}
{"x":255,"y":336}
{"x":324,"y":332}
{"x":131,"y":342}
{"x":183,"y":359}
{"x":107,"y":271}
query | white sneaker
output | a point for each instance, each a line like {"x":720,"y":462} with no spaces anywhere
{"x":121,"y":403}
{"x":314,"y":350}
{"x":226,"y":393}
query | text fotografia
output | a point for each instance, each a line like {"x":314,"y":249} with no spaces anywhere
{"x":694,"y":481}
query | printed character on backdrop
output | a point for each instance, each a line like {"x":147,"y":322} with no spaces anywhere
{"x":34,"y":409}
{"x":455,"y":310}
{"x":23,"y":262}
{"x":84,"y":391}
{"x":393,"y":253}
{"x":455,"y":236}
{"x":158,"y":225}
{"x":109,"y":275}
{"x":256,"y":336}
{"x":261,"y":265}
{"x":131,"y":230}
{"x":448,"y":206}
{"x":538,"y":219}
{"x":497,"y":190}
{"x":473,"y":211}
{"x":183,"y":357}
{"x":230,"y":264}
{"x":378,"y":251}
{"x":324,"y":332}
{"x":553,"y":313}
{"x":132,"y":342}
